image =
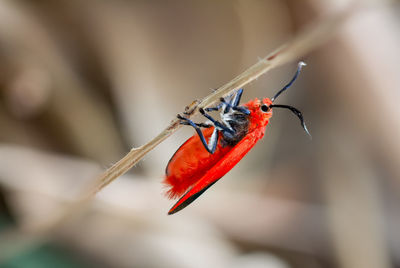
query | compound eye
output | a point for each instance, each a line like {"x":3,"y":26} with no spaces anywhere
{"x":265,"y":108}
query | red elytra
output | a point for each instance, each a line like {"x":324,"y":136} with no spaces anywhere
{"x":194,"y":168}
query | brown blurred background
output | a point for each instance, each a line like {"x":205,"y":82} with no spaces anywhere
{"x":82,"y":82}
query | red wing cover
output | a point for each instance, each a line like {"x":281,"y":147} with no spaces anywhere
{"x":219,"y":169}
{"x":190,"y":163}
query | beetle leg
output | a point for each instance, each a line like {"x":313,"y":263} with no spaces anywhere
{"x":236,"y":100}
{"x":203,"y":125}
{"x":215,"y":122}
{"x":226,"y":104}
{"x":221,"y":104}
{"x":185,"y":122}
{"x":215,"y":108}
{"x":212,"y":145}
{"x":233,"y":102}
{"x":240,"y":109}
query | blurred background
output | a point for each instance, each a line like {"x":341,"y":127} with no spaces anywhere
{"x":82,"y":82}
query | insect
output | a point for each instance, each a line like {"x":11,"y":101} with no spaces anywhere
{"x":218,"y":146}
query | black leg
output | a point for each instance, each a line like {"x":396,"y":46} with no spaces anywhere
{"x":216,"y":108}
{"x":234,"y":102}
{"x":228,"y":102}
{"x":237,"y":98}
{"x":212,"y":146}
{"x":203,"y":125}
{"x":214,"y":137}
{"x":215,"y":122}
{"x":224,"y":102}
{"x":240,"y":109}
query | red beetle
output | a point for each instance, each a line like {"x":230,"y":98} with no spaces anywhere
{"x":198,"y":164}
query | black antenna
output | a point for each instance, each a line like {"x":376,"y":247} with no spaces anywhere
{"x":299,"y":66}
{"x":296,"y":112}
